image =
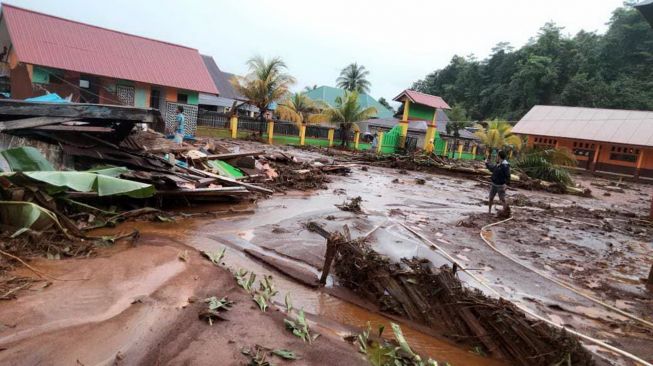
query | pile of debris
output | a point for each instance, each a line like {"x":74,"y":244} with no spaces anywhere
{"x":435,"y":297}
{"x":470,"y":168}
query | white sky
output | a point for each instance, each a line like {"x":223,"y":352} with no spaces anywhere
{"x":398,"y":41}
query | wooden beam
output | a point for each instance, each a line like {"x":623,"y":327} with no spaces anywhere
{"x":75,"y":128}
{"x":32,"y":122}
{"x":10,"y":107}
{"x":228,"y":156}
{"x":230,"y":181}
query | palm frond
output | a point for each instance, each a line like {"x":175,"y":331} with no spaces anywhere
{"x":547,"y":164}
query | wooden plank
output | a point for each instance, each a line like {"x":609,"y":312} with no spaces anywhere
{"x":10,"y":107}
{"x":32,"y":122}
{"x":228,"y":156}
{"x":75,"y":128}
{"x":231,"y":181}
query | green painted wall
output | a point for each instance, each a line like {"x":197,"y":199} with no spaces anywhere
{"x":418,"y":111}
{"x":40,"y":75}
{"x":140,"y":98}
{"x":193,"y":97}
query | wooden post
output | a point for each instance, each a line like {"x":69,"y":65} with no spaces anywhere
{"x":379,"y":143}
{"x":330,"y":136}
{"x":302,"y":134}
{"x":474,"y":152}
{"x":596,"y":158}
{"x":357,"y":136}
{"x":640,"y":157}
{"x":460,"y":151}
{"x":270,"y":132}
{"x":233,"y":126}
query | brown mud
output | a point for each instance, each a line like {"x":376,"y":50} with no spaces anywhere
{"x":447,"y":209}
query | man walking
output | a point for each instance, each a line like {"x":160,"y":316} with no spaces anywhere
{"x":500,"y":179}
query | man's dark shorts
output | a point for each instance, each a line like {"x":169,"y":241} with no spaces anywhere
{"x":498,"y":189}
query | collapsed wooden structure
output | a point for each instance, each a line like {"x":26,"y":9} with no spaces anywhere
{"x":435,"y":297}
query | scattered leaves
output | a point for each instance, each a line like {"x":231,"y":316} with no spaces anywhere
{"x":285,"y":354}
{"x":214,"y":307}
{"x":299,"y":327}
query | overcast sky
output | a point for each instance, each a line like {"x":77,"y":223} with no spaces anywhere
{"x":398,"y":41}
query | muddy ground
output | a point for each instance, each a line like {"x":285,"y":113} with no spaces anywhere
{"x":133,"y":307}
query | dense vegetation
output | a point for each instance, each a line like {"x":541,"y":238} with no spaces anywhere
{"x":611,"y":70}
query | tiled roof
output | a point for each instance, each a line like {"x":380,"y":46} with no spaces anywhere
{"x":329,"y":94}
{"x":50,"y":41}
{"x":605,"y":125}
{"x":422,"y":98}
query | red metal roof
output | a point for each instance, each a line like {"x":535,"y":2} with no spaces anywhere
{"x":46,"y":40}
{"x":424,"y":99}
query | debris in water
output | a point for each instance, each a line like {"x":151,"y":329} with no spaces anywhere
{"x":420,"y":181}
{"x":354,"y":205}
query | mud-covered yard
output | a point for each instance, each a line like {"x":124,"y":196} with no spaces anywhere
{"x":139,"y":303}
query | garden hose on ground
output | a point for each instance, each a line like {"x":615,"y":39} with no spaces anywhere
{"x":521,"y":307}
{"x":564,"y":284}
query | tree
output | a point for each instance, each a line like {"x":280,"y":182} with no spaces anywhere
{"x":354,"y":78}
{"x":498,"y":135}
{"x":385,"y":103}
{"x":309,"y":88}
{"x":266,"y":83}
{"x":345,"y":114}
{"x":611,"y":70}
{"x":297,"y":108}
{"x":547,"y":164}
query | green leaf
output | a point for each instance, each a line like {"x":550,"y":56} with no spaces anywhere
{"x":285,"y":354}
{"x":111,"y":171}
{"x":25,"y":158}
{"x":399,"y":336}
{"x":288,"y":303}
{"x":262,"y":303}
{"x":214,"y":257}
{"x":27,"y":215}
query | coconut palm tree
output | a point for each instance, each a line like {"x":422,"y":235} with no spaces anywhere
{"x":498,"y":135}
{"x":265,"y":84}
{"x":345,"y":114}
{"x":298,"y":108}
{"x":354,"y":78}
{"x":549,"y":164}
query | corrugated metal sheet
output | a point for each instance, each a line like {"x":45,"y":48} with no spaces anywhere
{"x":50,"y":41}
{"x":424,"y":99}
{"x":604,"y":125}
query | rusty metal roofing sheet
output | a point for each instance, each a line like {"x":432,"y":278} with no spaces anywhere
{"x":606,"y":125}
{"x":46,"y":40}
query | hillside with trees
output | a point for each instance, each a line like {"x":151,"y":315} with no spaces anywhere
{"x":611,"y":70}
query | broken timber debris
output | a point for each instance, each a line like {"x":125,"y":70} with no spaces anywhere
{"x":416,"y":290}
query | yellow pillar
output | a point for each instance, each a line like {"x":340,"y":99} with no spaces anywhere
{"x":460,"y":151}
{"x":270,"y":131}
{"x":510,"y":155}
{"x":357,"y":136}
{"x":302,"y":134}
{"x":379,"y":143}
{"x":446,"y":145}
{"x":474,"y":152}
{"x":233,"y":126}
{"x":330,"y":136}
{"x":404,"y":123}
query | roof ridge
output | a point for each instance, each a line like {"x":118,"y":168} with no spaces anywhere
{"x":94,"y":26}
{"x":605,"y":109}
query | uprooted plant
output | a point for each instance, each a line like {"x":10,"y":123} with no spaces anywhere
{"x":214,"y":257}
{"x":547,"y":164}
{"x":382,"y":352}
{"x":265,"y":292}
{"x":299,"y":327}
{"x":245,"y":282}
{"x":214,"y":308}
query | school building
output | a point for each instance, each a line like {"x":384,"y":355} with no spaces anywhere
{"x":608,"y":140}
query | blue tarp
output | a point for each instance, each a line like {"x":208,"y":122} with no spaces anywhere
{"x":48,"y":98}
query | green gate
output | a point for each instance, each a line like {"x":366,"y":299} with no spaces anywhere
{"x":391,"y":140}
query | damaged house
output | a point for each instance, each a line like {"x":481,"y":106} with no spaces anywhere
{"x":45,"y":54}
